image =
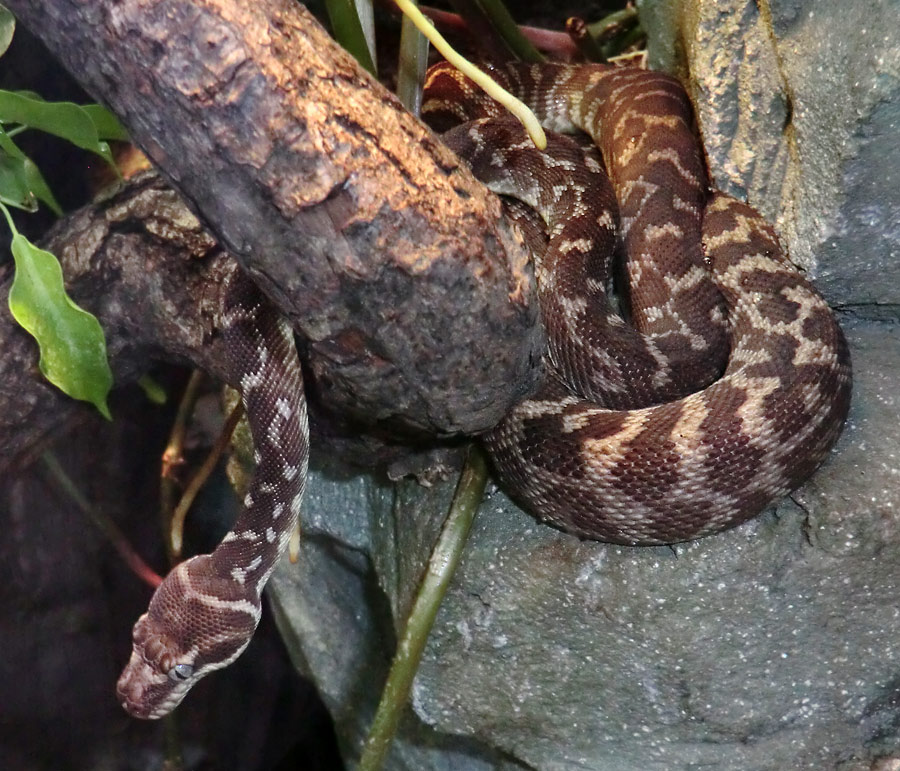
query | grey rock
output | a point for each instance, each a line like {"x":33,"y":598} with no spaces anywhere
{"x":772,"y":646}
{"x":799,"y":107}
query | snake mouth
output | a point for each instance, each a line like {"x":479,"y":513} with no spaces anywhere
{"x":134,"y":709}
{"x":146,"y":704}
{"x":130,"y":697}
{"x":146,"y":693}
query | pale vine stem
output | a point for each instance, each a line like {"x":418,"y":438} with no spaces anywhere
{"x":490,"y":87}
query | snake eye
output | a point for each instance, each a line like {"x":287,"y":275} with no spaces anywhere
{"x":180,"y":672}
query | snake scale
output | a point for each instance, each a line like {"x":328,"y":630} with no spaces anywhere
{"x":725,"y":391}
{"x":205,"y":611}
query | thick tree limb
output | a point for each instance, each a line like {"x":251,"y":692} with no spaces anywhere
{"x":146,"y":267}
{"x":384,"y":252}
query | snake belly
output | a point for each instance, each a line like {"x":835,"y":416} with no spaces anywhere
{"x":743,"y":379}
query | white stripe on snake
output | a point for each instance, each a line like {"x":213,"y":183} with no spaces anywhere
{"x":726,"y":391}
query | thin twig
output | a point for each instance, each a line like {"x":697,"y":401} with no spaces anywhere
{"x":103,"y":523}
{"x":176,"y":533}
{"x":173,"y":457}
{"x":173,"y":454}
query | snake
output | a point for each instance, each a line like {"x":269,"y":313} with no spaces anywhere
{"x":650,"y":456}
{"x":204,"y":613}
{"x":692,"y":376}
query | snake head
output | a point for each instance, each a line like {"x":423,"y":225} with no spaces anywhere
{"x":196,"y":623}
{"x":158,"y":675}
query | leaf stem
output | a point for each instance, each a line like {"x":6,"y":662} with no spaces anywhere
{"x":9,"y":219}
{"x":438,"y":573}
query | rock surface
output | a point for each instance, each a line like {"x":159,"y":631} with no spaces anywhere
{"x":772,"y":646}
{"x":799,"y":107}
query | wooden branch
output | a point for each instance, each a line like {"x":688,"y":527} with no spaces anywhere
{"x":386,"y":254}
{"x":147,"y":268}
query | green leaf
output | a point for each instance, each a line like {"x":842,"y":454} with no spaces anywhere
{"x":21,"y":180}
{"x":63,"y":119}
{"x":153,"y":390}
{"x":7,"y":28}
{"x":348,"y":31}
{"x":14,"y":190}
{"x":106,"y":124}
{"x":73,"y":349}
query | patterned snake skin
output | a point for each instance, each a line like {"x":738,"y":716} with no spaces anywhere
{"x":629,"y":440}
{"x":204,"y":613}
{"x":649,"y":452}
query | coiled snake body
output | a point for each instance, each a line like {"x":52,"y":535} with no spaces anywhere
{"x":653,"y":457}
{"x":726,"y":391}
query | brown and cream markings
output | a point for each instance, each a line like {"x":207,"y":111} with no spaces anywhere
{"x":733,"y":380}
{"x":726,"y":390}
{"x":204,"y":613}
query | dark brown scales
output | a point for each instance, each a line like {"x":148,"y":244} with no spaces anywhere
{"x":605,"y":465}
{"x":204,"y":613}
{"x":641,"y":122}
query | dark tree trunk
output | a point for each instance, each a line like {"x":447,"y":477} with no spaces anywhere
{"x":389,"y":258}
{"x":150,"y":272}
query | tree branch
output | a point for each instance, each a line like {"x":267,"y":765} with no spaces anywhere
{"x":385,"y":253}
{"x":143,"y":264}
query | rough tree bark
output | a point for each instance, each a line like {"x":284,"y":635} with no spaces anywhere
{"x":391,"y":260}
{"x":152,"y":274}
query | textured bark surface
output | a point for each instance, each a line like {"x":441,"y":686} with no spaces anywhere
{"x":387,"y":255}
{"x":145,"y":266}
